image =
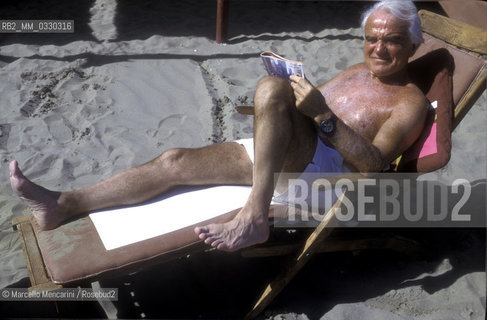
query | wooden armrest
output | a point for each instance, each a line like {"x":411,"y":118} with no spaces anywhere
{"x":247,"y":110}
{"x":454,"y":32}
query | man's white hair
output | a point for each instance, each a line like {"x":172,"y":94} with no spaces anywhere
{"x":401,"y":9}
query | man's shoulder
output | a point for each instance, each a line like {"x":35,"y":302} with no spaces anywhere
{"x":412,"y":91}
{"x":412,"y":99}
{"x":350,"y":72}
{"x":357,"y":68}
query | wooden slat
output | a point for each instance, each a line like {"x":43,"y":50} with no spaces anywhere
{"x":469,"y":99}
{"x":270,"y":250}
{"x":454,"y":32}
{"x":18,"y":220}
{"x":340,"y":245}
{"x":38,"y":275}
{"x":312,"y":243}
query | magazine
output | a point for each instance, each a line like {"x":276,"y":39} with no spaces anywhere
{"x":278,"y":66}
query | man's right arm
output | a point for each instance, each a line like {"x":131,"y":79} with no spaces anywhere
{"x":355,"y":149}
{"x":396,"y":134}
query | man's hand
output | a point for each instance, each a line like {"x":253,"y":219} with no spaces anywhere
{"x":309,"y":100}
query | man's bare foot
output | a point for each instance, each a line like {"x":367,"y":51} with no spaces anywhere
{"x":42,"y":202}
{"x":243,"y":231}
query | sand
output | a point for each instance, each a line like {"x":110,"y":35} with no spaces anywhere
{"x":137,"y":78}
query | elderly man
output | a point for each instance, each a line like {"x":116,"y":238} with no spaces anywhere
{"x":359,"y":121}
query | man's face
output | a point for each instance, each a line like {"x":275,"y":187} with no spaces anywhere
{"x":387,"y":45}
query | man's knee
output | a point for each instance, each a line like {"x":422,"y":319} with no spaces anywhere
{"x":171,"y":160}
{"x":274,"y":85}
{"x":273,"y":90}
{"x":272,"y":81}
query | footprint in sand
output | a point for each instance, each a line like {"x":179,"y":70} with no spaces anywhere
{"x":4,"y":134}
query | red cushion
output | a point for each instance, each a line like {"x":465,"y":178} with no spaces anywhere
{"x":432,"y":73}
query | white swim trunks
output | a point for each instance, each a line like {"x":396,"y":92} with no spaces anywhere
{"x":325,"y":159}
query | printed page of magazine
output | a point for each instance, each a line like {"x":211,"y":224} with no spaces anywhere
{"x":278,"y":66}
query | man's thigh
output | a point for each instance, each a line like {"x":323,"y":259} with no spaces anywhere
{"x":222,"y":163}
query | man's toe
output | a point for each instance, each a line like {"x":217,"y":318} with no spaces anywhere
{"x":210,"y":240}
{"x":217,"y":243}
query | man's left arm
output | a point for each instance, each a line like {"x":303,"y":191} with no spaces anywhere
{"x":403,"y":127}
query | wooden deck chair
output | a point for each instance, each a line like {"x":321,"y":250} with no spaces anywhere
{"x":449,"y":70}
{"x":73,"y":254}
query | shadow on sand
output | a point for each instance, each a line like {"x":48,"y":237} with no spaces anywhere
{"x":222,"y":285}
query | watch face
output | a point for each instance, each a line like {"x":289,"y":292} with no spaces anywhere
{"x":327,"y":126}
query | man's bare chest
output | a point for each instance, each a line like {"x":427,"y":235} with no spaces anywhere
{"x":361,"y":106}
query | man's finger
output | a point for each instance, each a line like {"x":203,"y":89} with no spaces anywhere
{"x":294,"y":78}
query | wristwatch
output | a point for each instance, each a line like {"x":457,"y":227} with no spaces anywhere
{"x":328,"y":126}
